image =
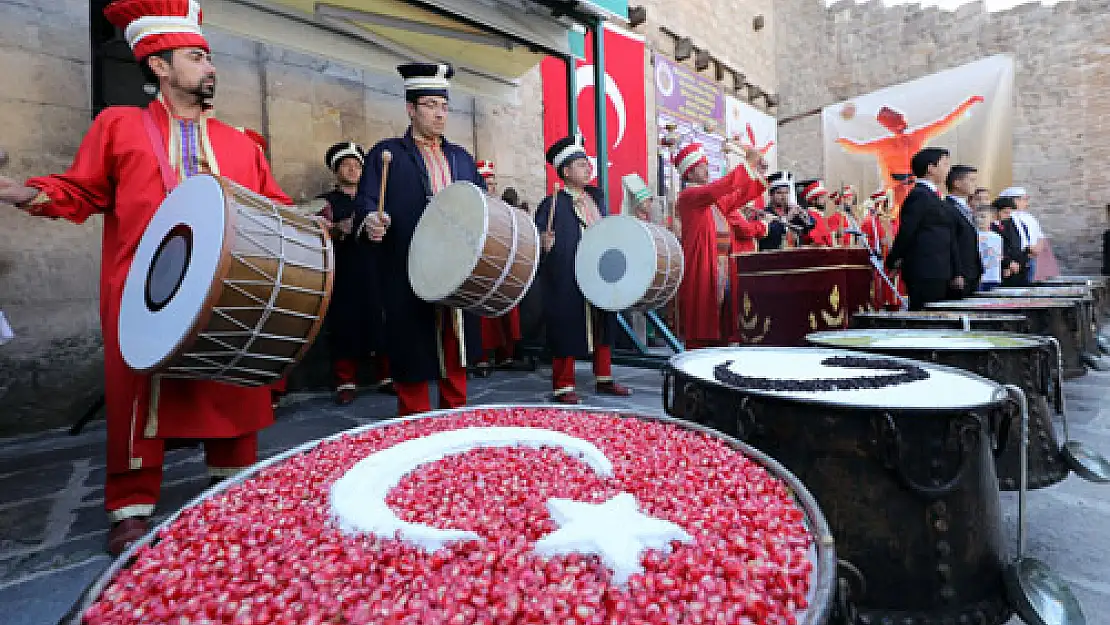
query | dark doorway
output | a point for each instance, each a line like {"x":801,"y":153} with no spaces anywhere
{"x":116,"y":77}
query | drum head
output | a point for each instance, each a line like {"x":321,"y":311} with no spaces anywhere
{"x":448,"y":241}
{"x":773,"y":371}
{"x":175,"y":268}
{"x":615,"y":262}
{"x":932,"y":340}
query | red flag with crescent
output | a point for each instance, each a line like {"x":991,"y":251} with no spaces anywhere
{"x":626,"y":109}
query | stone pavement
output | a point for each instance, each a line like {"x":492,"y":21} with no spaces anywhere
{"x":52,"y":525}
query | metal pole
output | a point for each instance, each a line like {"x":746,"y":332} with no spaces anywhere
{"x":600,"y":116}
{"x":572,"y":95}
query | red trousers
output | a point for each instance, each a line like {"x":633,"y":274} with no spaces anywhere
{"x":134,"y":493}
{"x":413,"y":397}
{"x":562,"y":369}
{"x":345,"y":371}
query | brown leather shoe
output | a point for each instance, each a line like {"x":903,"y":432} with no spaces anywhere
{"x":570,"y":399}
{"x":125,"y":533}
{"x":613,"y":388}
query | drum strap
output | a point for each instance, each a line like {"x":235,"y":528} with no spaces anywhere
{"x":158,"y":143}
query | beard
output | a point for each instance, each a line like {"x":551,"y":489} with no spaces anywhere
{"x":202,"y":91}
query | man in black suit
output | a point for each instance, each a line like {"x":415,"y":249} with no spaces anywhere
{"x":925,"y":246}
{"x":961,"y":186}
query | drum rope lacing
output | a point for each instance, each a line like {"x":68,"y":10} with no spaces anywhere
{"x":222,"y":370}
{"x":494,"y":285}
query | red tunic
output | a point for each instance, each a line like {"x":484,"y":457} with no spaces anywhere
{"x":699,"y":309}
{"x":838,"y":223}
{"x":820,"y":235}
{"x":115,"y":172}
{"x":878,"y":238}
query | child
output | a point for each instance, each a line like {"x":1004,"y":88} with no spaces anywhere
{"x":1015,"y":260}
{"x":990,"y":249}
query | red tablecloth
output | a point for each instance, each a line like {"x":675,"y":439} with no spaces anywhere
{"x":785,"y":294}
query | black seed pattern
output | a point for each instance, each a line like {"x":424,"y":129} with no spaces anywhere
{"x":906,"y":373}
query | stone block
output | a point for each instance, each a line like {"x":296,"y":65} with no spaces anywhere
{"x":46,"y":79}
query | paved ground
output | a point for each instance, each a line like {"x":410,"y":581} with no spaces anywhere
{"x":52,"y":526}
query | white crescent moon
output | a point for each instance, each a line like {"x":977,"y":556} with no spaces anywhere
{"x":584,"y":77}
{"x":358,"y":498}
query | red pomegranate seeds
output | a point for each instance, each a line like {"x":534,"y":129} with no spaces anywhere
{"x":269,"y":550}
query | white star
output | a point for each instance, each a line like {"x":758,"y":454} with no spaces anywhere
{"x":615,"y":530}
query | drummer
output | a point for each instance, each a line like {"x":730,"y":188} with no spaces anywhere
{"x":713,"y":228}
{"x":356,"y":322}
{"x":116,"y":173}
{"x":575,"y":329}
{"x":499,"y":334}
{"x":424,"y":341}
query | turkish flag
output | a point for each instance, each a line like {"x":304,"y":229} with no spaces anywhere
{"x":626,"y":110}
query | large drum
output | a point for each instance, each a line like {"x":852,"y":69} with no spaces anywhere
{"x":313,"y":523}
{"x":1061,"y":319}
{"x":473,"y":251}
{"x":940,"y":320}
{"x":898,"y":453}
{"x":225,"y":285}
{"x":626,"y":263}
{"x":1022,"y":360}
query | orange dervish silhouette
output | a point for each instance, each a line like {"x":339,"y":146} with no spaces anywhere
{"x":894,"y":152}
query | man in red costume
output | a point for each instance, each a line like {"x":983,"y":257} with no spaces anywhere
{"x":713,"y":227}
{"x":124,"y":168}
{"x":816,"y":197}
{"x":894,"y":152}
{"x":878,"y":228}
{"x":499,"y":334}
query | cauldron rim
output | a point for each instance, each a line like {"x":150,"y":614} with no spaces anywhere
{"x":823,"y":551}
{"x":674,"y":364}
{"x":1033,"y":341}
{"x":1020,"y":303}
{"x":935,"y":314}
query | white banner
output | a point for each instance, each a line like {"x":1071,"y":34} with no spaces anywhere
{"x":747,"y":125}
{"x":967,"y":109}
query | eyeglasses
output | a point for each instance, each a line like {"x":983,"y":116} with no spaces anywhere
{"x":433,"y":105}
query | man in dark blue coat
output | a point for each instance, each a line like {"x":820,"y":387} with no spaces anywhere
{"x":355,"y":318}
{"x":575,"y":329}
{"x":424,"y":341}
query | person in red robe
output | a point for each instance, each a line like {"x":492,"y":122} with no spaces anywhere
{"x":499,"y":334}
{"x":823,"y":234}
{"x":838,"y":207}
{"x":712,"y":226}
{"x":879,"y":231}
{"x":122,"y":170}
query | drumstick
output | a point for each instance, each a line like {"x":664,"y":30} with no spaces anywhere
{"x":551,"y":213}
{"x":386,"y":159}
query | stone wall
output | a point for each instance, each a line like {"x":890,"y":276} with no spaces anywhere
{"x":1062,"y":78}
{"x":49,"y":270}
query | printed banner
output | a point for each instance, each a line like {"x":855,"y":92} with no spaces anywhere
{"x":967,"y":109}
{"x":626,"y":121}
{"x":747,"y":125}
{"x":696,"y":106}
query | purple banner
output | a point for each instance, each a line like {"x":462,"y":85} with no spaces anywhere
{"x":686,"y":95}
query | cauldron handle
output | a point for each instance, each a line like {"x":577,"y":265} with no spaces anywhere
{"x":1004,"y":423}
{"x":668,"y":393}
{"x":891,"y":455}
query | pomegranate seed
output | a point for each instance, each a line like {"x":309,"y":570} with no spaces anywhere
{"x":268,"y":550}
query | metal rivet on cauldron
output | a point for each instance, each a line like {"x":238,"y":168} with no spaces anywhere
{"x":965,"y":619}
{"x":945,"y":572}
{"x":948,"y":594}
{"x":944,"y":549}
{"x":941,"y":525}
